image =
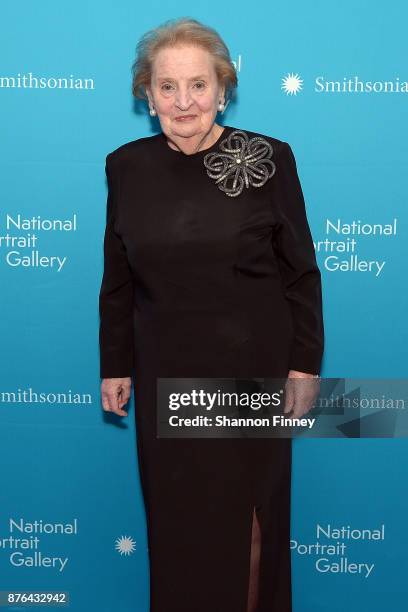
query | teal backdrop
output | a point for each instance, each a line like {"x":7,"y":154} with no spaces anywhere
{"x":328,"y":77}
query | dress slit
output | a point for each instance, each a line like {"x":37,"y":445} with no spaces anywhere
{"x":274,"y":585}
{"x":254,"y":566}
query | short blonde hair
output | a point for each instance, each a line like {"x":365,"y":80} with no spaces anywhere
{"x":183,"y":30}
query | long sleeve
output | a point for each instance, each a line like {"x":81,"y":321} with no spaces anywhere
{"x":300,"y":274}
{"x":116,"y":293}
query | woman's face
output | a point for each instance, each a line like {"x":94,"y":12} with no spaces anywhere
{"x":184,"y":90}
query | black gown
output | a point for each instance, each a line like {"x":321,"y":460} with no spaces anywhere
{"x":200,"y":284}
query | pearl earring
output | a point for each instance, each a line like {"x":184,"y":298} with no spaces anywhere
{"x":221,"y":107}
{"x":152,"y":112}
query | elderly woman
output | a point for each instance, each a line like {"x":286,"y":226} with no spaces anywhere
{"x":209,"y":271}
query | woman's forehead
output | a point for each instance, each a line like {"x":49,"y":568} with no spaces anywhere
{"x":193,"y":61}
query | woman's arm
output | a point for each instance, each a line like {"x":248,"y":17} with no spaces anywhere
{"x":300,"y":274}
{"x":116,"y":292}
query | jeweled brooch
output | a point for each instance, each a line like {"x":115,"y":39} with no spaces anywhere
{"x":242,"y":161}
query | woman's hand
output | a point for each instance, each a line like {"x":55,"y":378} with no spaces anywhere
{"x":115,"y":393}
{"x":301,"y":390}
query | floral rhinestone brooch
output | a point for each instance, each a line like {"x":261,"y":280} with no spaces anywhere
{"x":241,"y":161}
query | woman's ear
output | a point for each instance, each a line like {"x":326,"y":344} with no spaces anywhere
{"x":148,"y":93}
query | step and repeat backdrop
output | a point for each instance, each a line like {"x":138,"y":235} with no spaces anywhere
{"x":330,"y":78}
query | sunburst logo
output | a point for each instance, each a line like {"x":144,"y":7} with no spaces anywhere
{"x":292,"y":83}
{"x":125,"y":545}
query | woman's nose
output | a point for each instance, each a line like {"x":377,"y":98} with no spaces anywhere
{"x":183,"y":99}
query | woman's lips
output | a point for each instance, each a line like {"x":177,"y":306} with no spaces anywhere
{"x":185,"y":117}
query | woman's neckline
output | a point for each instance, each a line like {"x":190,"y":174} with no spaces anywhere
{"x":183,"y":155}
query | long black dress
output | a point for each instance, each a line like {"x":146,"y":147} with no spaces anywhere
{"x":197,"y":283}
